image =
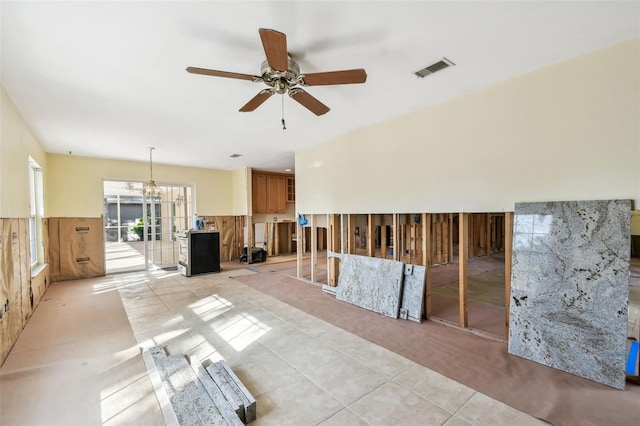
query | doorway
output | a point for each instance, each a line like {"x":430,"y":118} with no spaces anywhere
{"x":140,"y":232}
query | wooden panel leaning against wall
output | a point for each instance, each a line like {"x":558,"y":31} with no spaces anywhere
{"x":19,"y":293}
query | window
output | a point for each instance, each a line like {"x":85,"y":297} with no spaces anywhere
{"x":36,"y":212}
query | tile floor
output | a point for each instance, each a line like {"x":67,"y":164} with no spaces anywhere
{"x":302,"y":370}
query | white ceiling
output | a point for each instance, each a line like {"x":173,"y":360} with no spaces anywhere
{"x":108,"y":79}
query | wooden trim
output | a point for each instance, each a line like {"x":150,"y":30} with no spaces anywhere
{"x":272,"y":173}
{"x":463,"y":246}
{"x":508,"y":251}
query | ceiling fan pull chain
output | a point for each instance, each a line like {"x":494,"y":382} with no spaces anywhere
{"x":284,"y":126}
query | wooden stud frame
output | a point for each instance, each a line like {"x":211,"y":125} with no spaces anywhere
{"x":334,"y":245}
{"x":487,"y":237}
{"x":449,"y":230}
{"x":371,"y":245}
{"x":463,"y":245}
{"x":314,"y":247}
{"x":508,"y":251}
{"x":251,"y":229}
{"x":351,"y":242}
{"x":383,"y":236}
{"x":299,"y":249}
{"x":426,"y":260}
{"x":395,"y":231}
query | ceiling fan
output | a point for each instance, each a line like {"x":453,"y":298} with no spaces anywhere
{"x":282,"y":75}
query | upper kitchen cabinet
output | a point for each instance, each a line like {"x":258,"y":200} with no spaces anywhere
{"x":271,"y":192}
{"x":291,"y":189}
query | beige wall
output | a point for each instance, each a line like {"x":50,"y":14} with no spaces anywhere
{"x":635,"y":222}
{"x":565,"y":132}
{"x":241,"y":199}
{"x":75,"y":184}
{"x":17,"y":143}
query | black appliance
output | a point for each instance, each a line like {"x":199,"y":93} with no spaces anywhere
{"x":198,"y":252}
{"x":257,"y":255}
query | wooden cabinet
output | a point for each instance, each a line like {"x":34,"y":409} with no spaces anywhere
{"x":276,"y":202}
{"x":259,"y":192}
{"x":269,"y":192}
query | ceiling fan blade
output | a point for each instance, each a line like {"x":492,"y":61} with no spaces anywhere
{"x":257,"y":100}
{"x":226,"y":74}
{"x":308,"y":101}
{"x":275,"y":47}
{"x":335,"y":77}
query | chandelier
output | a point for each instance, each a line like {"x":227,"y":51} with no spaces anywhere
{"x":150,"y":189}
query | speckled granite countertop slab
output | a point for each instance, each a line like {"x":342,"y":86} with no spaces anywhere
{"x":570,"y":286}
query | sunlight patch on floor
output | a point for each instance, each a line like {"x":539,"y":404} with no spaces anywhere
{"x":242,"y":330}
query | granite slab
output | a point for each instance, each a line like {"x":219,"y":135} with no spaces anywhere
{"x":245,"y":395}
{"x":369,"y":282}
{"x":413,"y":292}
{"x":174,"y":383}
{"x":204,"y":411}
{"x":223,"y":382}
{"x":570,"y":287}
{"x":230,"y":416}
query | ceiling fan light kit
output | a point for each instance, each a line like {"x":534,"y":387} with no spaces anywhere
{"x":282,"y":74}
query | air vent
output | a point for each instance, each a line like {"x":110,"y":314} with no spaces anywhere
{"x":235,"y":155}
{"x":440,"y":65}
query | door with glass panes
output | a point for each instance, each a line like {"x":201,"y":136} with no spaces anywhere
{"x":135,"y":224}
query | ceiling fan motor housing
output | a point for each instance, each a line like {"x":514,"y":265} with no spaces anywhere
{"x":281,"y":81}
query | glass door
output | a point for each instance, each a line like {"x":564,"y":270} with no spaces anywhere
{"x":165,"y":216}
{"x":123,"y":226}
{"x":141,"y":232}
